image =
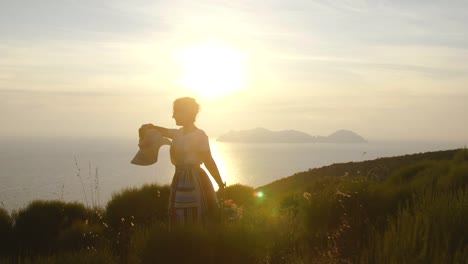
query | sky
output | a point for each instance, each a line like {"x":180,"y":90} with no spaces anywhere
{"x":383,"y":69}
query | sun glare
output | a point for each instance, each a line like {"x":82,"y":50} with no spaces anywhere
{"x":211,"y":69}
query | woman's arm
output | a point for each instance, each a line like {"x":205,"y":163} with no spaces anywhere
{"x":210,"y":165}
{"x":162,"y":130}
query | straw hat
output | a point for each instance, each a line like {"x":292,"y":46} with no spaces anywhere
{"x":149,"y":147}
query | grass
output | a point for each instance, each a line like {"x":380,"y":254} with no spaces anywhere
{"x":432,"y":230}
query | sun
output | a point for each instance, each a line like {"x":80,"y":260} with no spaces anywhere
{"x":211,"y":69}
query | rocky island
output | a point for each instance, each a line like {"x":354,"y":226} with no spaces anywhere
{"x":262,"y":135}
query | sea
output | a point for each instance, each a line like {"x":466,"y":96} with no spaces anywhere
{"x":92,"y":170}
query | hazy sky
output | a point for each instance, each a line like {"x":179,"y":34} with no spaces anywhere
{"x":384,"y":69}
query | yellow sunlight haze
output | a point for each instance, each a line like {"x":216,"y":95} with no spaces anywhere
{"x":223,"y":163}
{"x":211,"y":69}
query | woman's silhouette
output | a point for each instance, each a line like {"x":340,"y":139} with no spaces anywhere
{"x":192,"y":198}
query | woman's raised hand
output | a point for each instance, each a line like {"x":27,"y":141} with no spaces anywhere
{"x":143,"y":128}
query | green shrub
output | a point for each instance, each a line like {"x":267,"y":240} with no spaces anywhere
{"x":132,"y":209}
{"x":38,"y":226}
{"x":242,"y":195}
{"x":138,"y":206}
{"x":5,"y":221}
{"x":5,"y":233}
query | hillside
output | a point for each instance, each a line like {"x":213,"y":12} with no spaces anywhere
{"x":262,"y":135}
{"x":378,"y":169}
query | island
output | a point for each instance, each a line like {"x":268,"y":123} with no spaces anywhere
{"x":263,"y":135}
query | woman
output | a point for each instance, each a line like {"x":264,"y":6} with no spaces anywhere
{"x":192,"y":199}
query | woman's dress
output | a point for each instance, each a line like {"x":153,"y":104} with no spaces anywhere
{"x":192,"y":199}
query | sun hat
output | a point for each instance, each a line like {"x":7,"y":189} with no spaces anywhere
{"x":149,"y":144}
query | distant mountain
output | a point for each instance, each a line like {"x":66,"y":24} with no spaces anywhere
{"x":262,"y":135}
{"x":345,"y":136}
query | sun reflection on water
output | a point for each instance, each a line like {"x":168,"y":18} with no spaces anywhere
{"x":224,"y":164}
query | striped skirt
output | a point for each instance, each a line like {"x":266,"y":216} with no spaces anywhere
{"x":192,"y":199}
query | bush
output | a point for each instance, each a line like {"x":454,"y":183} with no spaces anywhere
{"x":38,"y":226}
{"x":242,"y":195}
{"x":138,"y":206}
{"x":5,"y":232}
{"x":5,"y":221}
{"x":135,"y":208}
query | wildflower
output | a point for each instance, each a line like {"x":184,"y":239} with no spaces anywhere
{"x":338,"y":192}
{"x":231,"y":210}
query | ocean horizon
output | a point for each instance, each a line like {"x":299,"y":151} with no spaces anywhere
{"x":91,"y":170}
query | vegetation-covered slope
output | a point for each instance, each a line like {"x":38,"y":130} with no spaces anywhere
{"x":414,"y":211}
{"x":378,"y":169}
